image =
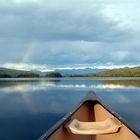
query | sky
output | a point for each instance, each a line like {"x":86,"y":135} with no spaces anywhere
{"x":67,"y":34}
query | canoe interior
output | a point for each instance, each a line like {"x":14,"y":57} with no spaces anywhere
{"x":92,"y":111}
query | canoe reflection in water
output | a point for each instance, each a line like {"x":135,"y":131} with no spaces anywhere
{"x":91,"y":120}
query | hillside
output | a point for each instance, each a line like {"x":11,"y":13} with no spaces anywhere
{"x":11,"y":73}
{"x":123,"y":72}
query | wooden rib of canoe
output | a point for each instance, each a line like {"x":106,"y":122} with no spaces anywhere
{"x":91,"y":120}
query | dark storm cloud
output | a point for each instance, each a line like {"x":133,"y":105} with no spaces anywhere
{"x":81,"y":52}
{"x":41,"y":22}
{"x":65,"y":33}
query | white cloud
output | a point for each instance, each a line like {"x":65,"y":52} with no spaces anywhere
{"x":49,"y":68}
{"x":28,"y":67}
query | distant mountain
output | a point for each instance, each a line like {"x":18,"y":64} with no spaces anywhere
{"x":7,"y":73}
{"x":123,"y":72}
{"x":80,"y":71}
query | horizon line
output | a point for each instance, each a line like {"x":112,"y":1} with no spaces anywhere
{"x":51,"y":68}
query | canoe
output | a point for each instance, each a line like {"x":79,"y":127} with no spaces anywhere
{"x":91,"y":120}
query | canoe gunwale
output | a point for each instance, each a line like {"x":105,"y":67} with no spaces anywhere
{"x":91,"y":97}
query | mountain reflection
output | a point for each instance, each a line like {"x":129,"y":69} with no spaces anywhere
{"x":26,"y":86}
{"x":135,"y":83}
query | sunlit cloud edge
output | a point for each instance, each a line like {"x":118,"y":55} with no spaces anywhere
{"x":51,"y":68}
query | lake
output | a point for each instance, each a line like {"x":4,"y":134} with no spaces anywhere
{"x":29,"y":107}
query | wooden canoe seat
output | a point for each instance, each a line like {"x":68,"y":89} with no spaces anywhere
{"x":110,"y":125}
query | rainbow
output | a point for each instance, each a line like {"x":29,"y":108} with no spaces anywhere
{"x":27,"y":53}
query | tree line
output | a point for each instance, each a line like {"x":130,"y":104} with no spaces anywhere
{"x":124,"y":72}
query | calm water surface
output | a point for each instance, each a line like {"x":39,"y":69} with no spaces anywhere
{"x":29,"y":107}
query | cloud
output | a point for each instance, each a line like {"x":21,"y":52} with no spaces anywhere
{"x":45,"y":22}
{"x":68,"y":32}
{"x":48,"y":68}
{"x":24,"y":88}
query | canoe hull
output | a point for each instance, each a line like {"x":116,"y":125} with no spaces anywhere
{"x":91,"y":109}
